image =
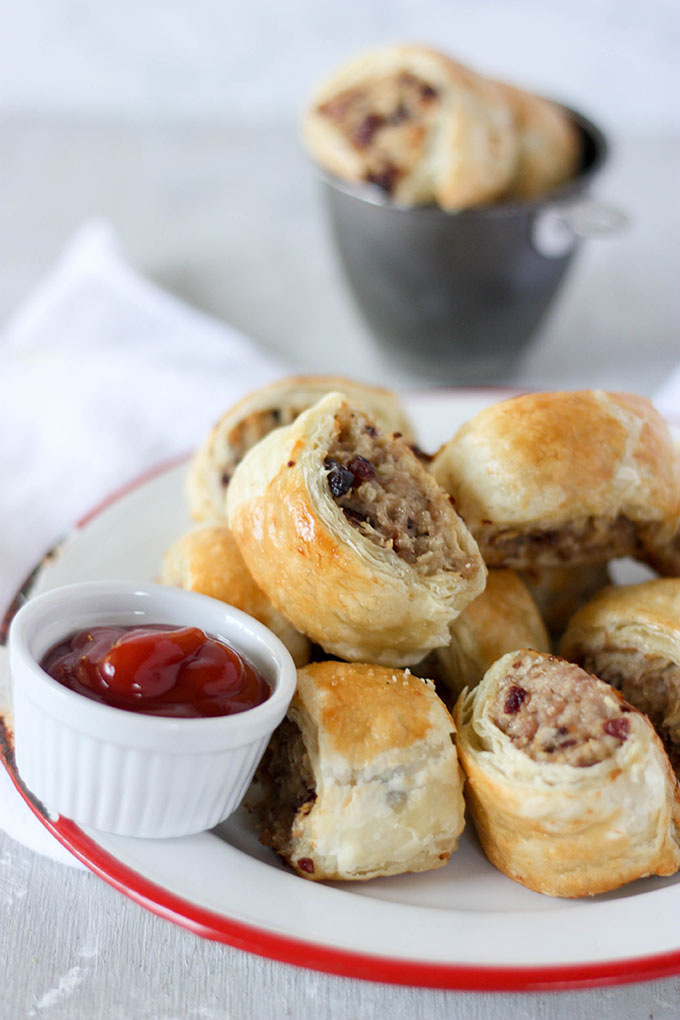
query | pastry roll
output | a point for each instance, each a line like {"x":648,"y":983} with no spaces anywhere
{"x":548,"y":479}
{"x":560,"y":591}
{"x":569,"y":787}
{"x":362,"y":778}
{"x":207,"y":560}
{"x":421,"y":127}
{"x":351,"y":537}
{"x":630,"y":637}
{"x":663,"y":554}
{"x":257,"y":414}
{"x":664,"y":557}
{"x":502,"y":618}
{"x":550,"y":144}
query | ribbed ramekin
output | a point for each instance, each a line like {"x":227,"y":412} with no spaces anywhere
{"x":123,"y":772}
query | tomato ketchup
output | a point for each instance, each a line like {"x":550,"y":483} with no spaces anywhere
{"x":157,"y":670}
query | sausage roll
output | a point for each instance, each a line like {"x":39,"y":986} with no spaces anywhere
{"x":207,"y":560}
{"x":560,"y":591}
{"x":630,"y":637}
{"x":663,"y":555}
{"x":265,"y":409}
{"x":569,"y":787}
{"x":416,"y":124}
{"x":550,"y":145}
{"x":362,"y":778}
{"x":351,"y":537}
{"x":502,"y":618}
{"x":549,"y":479}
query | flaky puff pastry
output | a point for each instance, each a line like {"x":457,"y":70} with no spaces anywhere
{"x":630,"y":636}
{"x":569,"y":787}
{"x":351,"y":538}
{"x":502,"y":618}
{"x":550,"y":144}
{"x":362,"y":778}
{"x":549,"y":479}
{"x":420,"y":126}
{"x":207,"y":559}
{"x":259,"y":413}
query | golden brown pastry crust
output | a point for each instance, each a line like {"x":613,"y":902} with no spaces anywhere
{"x":267,"y":408}
{"x":504,"y":617}
{"x":561,"y":829}
{"x":207,"y":560}
{"x":553,"y":478}
{"x":629,"y":635}
{"x":358,"y":600}
{"x":387,"y":787}
{"x":550,"y":147}
{"x":412,"y":120}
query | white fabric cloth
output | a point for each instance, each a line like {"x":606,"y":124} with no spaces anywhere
{"x":102,"y":375}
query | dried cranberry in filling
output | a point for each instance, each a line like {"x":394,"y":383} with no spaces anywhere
{"x":616,"y":728}
{"x":362,"y":469}
{"x":340,"y":479}
{"x":364,"y":134}
{"x":514,"y":700}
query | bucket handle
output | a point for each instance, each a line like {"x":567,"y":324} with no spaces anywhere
{"x":556,"y":228}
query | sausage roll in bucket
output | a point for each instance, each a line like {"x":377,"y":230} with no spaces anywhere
{"x":569,"y":787}
{"x":352,"y":538}
{"x":549,"y":144}
{"x":362,"y":778}
{"x":418,"y":125}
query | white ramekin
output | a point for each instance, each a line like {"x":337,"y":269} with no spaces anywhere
{"x":123,"y":772}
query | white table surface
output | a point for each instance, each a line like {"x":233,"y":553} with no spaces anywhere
{"x":230,"y":219}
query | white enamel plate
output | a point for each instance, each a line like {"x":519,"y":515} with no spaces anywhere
{"x":462,"y":926}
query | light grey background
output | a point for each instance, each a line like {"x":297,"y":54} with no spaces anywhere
{"x":177,"y":121}
{"x":228,"y":61}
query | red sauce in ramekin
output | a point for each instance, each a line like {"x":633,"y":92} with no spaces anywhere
{"x":157,"y":670}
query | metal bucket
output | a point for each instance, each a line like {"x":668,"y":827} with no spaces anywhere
{"x":457,"y":296}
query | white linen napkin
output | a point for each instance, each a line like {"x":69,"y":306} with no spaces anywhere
{"x":102,"y":375}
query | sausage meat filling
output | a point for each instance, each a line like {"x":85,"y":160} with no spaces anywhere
{"x":595,"y":539}
{"x":386,"y":494}
{"x":385,"y":120}
{"x":288,"y":785}
{"x":249,"y":431}
{"x":556,"y":712}
{"x":649,"y":682}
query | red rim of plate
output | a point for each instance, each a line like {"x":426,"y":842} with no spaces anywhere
{"x":287,"y":949}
